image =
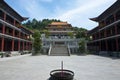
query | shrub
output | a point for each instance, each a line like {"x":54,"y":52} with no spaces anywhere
{"x":82,"y":46}
{"x":36,"y":43}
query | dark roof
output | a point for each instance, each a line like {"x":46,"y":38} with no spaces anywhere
{"x":11,"y":11}
{"x":93,"y":30}
{"x":108,"y":12}
{"x":26,"y":30}
{"x":94,"y":19}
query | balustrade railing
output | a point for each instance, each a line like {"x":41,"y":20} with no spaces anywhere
{"x":50,"y":48}
{"x":69,"y":52}
{"x":49,"y":39}
{"x":10,"y":25}
{"x":9,"y":22}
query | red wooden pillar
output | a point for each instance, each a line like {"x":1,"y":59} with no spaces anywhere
{"x":19,"y":34}
{"x":104,"y":22}
{"x":13,"y":44}
{"x":112,"y":40}
{"x":14,"y":22}
{"x":115,"y":24}
{"x":13,"y":33}
{"x":106,"y":43}
{"x":116,"y":32}
{"x":2,"y":44}
{"x":117,"y":44}
{"x":105,"y":33}
{"x":25,"y":36}
{"x":3,"y":31}
{"x":23,"y":45}
{"x":4,"y":16}
{"x":18,"y":45}
{"x":26,"y":45}
{"x":99,"y":35}
{"x":99,"y":45}
{"x":114,"y":17}
{"x":99,"y":42}
{"x":29,"y":45}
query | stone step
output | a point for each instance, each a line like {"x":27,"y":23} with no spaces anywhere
{"x":59,"y":55}
{"x":59,"y":51}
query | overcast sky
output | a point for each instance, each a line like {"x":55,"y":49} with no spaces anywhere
{"x":75,"y":12}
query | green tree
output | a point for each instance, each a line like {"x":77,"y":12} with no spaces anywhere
{"x":82,"y":46}
{"x":70,"y":34}
{"x":39,"y":24}
{"x":36,"y":42}
{"x":46,"y":32}
{"x":81,"y":33}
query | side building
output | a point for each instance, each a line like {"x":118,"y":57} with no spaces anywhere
{"x":106,"y":36}
{"x":60,"y":34}
{"x":13,"y":36}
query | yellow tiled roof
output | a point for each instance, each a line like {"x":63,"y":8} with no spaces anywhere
{"x":59,"y":23}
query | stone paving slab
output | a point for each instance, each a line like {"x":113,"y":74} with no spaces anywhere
{"x":13,"y":57}
{"x":88,"y":67}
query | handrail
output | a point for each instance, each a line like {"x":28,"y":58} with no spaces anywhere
{"x":12,"y":37}
{"x":11,"y":26}
{"x":50,"y":50}
{"x":49,"y":39}
{"x":69,"y":52}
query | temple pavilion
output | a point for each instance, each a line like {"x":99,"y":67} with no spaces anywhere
{"x":106,"y":36}
{"x":13,"y":36}
{"x":59,"y":39}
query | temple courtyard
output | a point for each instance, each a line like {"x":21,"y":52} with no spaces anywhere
{"x":88,"y":67}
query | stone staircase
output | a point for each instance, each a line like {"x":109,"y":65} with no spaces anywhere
{"x":59,"y":50}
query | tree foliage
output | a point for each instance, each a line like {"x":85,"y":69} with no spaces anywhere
{"x":82,"y":46}
{"x":36,"y":42}
{"x":81,"y":32}
{"x":70,"y":34}
{"x":46,"y":32}
{"x":39,"y":25}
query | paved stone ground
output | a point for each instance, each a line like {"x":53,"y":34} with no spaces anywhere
{"x":88,"y":67}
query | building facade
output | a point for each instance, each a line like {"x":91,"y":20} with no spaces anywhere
{"x":59,"y":30}
{"x":60,"y":33}
{"x":13,"y":36}
{"x":106,"y":36}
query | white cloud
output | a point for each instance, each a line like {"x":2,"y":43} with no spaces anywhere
{"x":77,"y":13}
{"x":34,"y":9}
{"x":75,"y":16}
